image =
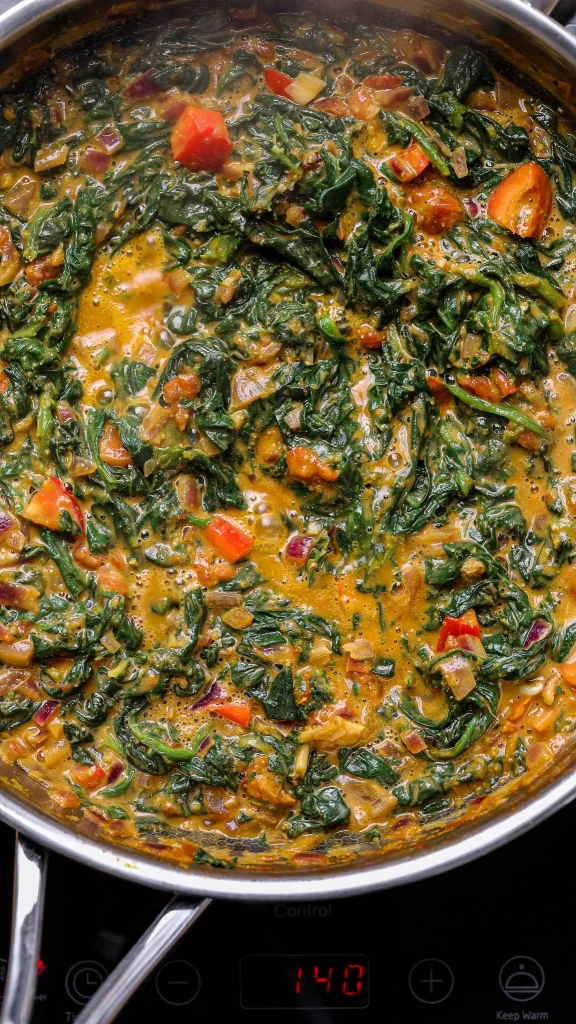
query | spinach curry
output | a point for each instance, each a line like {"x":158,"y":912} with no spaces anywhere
{"x":288,"y":328}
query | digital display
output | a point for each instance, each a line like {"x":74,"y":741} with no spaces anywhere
{"x":304,"y":982}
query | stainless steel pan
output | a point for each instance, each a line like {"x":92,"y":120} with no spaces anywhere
{"x":542,"y":49}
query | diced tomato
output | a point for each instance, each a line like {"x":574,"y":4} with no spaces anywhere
{"x":481,"y":386}
{"x":88,"y":776}
{"x":436,"y":387}
{"x":466,"y":625}
{"x":112,"y":451}
{"x":277,"y":81}
{"x":437,"y":210}
{"x":231,"y":539}
{"x":304,"y":464}
{"x":362,"y":104}
{"x":112,"y":580}
{"x":9,"y":258}
{"x":382,"y":81}
{"x":239,"y":713}
{"x":522,"y":202}
{"x":185,"y":385}
{"x":368,"y":336}
{"x":505,"y":385}
{"x":414,"y":741}
{"x":82,"y":554}
{"x":409,"y":162}
{"x":4,"y":383}
{"x":568,"y":672}
{"x":210,"y":573}
{"x":53,"y":506}
{"x":200,"y":140}
{"x":41,"y":270}
{"x":332,"y":105}
{"x":529,"y":440}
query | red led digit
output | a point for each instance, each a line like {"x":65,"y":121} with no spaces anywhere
{"x":324,"y":981}
{"x":298,"y":980}
{"x":358,"y":983}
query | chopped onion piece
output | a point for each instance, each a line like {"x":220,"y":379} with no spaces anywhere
{"x":51,"y":156}
{"x":222,"y":599}
{"x":301,"y":761}
{"x":251,"y":383}
{"x":110,"y":140}
{"x":414,"y":742}
{"x":213,"y":691}
{"x":416,"y":107}
{"x":46,"y":711}
{"x":305,"y":88}
{"x":298,"y":549}
{"x":19,"y":654}
{"x":94,"y":161}
{"x":16,"y":595}
{"x":359,"y":650}
{"x":80,"y":466}
{"x":392,"y":97}
{"x":459,"y":163}
{"x":458,"y":675}
{"x":292,"y":419}
{"x":538,"y":630}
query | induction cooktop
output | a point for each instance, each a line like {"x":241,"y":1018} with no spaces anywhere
{"x":490,"y":941}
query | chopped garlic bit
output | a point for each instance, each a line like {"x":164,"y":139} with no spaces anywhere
{"x":359,"y":650}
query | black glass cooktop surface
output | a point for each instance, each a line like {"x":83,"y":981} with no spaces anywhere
{"x":490,"y":941}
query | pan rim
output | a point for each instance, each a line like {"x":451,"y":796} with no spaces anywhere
{"x":339,"y":882}
{"x":298,"y":886}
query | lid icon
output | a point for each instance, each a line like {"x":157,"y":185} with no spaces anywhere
{"x":521,"y":979}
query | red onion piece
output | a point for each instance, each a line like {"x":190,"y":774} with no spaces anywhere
{"x":115,"y":771}
{"x":12,"y":678}
{"x":110,"y":140}
{"x":141,"y":88}
{"x":6,"y":522}
{"x":459,"y":162}
{"x":188,"y":492}
{"x":46,"y":711}
{"x":472,"y":207}
{"x":174,"y":107}
{"x":538,"y":630}
{"x":95,"y":161}
{"x":213,"y":691}
{"x":392,"y":97}
{"x":416,"y":107}
{"x":298,"y":549}
{"x":64,"y":413}
{"x":18,"y":596}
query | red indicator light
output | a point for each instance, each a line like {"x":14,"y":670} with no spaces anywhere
{"x":40,"y":968}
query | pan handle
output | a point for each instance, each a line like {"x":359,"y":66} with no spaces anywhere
{"x":30,"y":866}
{"x":169,"y":927}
